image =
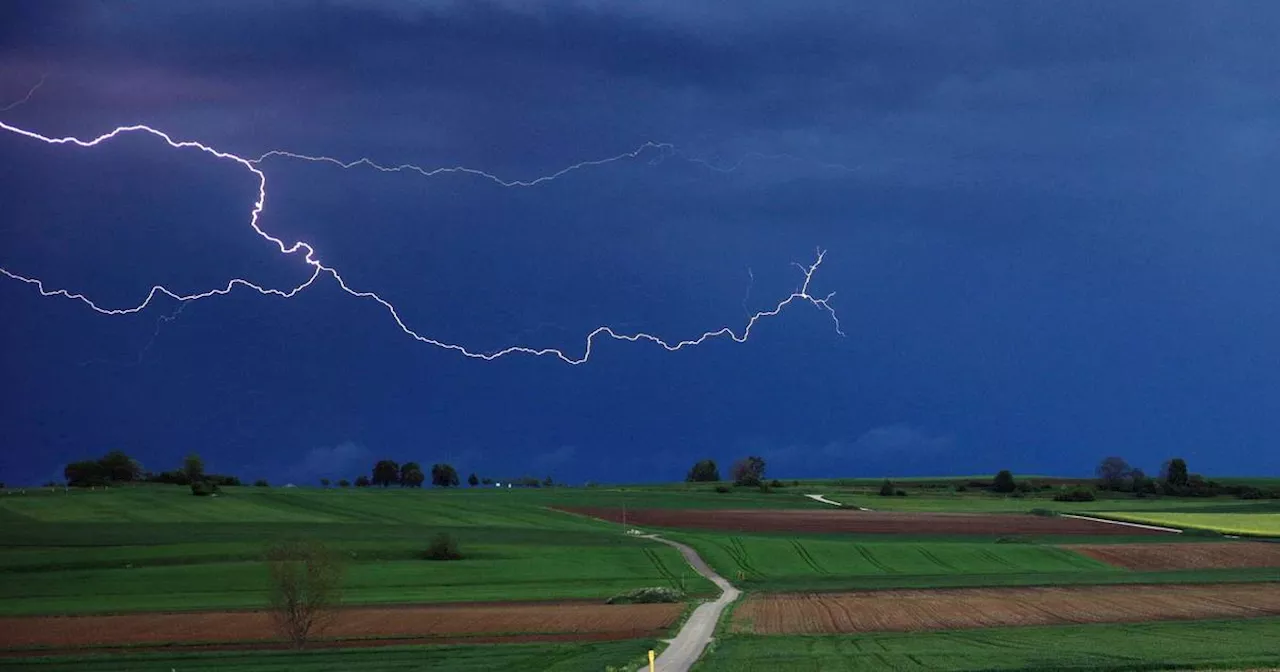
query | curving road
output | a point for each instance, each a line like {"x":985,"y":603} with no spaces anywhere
{"x":693,"y":638}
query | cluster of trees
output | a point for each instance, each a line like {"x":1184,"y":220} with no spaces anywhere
{"x":748,"y":471}
{"x":387,"y":473}
{"x":117,"y":467}
{"x":1116,"y":475}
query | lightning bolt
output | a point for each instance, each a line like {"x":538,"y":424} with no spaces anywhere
{"x":318,"y":268}
{"x":24,"y":99}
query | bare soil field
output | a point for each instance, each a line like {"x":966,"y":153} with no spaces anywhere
{"x":867,"y":522}
{"x":910,"y":610}
{"x":551,"y":622}
{"x":1149,"y":557}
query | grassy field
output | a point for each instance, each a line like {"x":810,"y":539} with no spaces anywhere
{"x":569,"y":657}
{"x":798,"y":563}
{"x":159,"y":548}
{"x":1147,"y":646}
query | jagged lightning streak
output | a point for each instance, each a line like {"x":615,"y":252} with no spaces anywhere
{"x":309,"y":253}
{"x":24,"y":99}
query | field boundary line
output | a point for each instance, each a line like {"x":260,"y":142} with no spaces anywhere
{"x":1122,"y":522}
{"x":824,"y":500}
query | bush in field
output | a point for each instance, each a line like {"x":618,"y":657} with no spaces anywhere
{"x":261,"y":483}
{"x":443,"y":547}
{"x":204,"y":488}
{"x":722,"y":488}
{"x":886,"y":488}
{"x":1074,"y":495}
{"x":1004,"y":482}
{"x":305,"y":578}
{"x":899,"y":493}
{"x":647,"y":596}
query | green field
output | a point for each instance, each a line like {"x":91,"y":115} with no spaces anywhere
{"x":594,"y":656}
{"x":798,"y":563}
{"x":159,"y":548}
{"x":1146,"y":646}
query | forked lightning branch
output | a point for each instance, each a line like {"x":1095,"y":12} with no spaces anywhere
{"x":319,"y":270}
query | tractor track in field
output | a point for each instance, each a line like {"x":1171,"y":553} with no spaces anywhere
{"x":808,"y":557}
{"x":870,"y":558}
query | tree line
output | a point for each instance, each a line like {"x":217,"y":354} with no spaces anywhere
{"x":117,"y":467}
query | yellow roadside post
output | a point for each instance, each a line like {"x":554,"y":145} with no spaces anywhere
{"x":650,"y":660}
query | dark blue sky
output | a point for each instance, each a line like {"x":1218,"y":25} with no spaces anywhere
{"x":1050,"y":229}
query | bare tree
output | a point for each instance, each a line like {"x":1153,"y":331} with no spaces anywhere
{"x":305,"y":578}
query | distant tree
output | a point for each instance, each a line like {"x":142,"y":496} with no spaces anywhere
{"x":748,"y":471}
{"x":193,"y":468}
{"x":344,"y":483}
{"x":385,"y":472}
{"x":204,"y":488}
{"x":703,"y":472}
{"x":1004,"y":482}
{"x":1176,"y":474}
{"x":84,"y":474}
{"x":324,"y":482}
{"x":444,"y":476}
{"x":548,"y":482}
{"x":1112,"y":473}
{"x":405,"y":470}
{"x":1138,"y":481}
{"x":886,"y":488}
{"x":261,"y":483}
{"x":363,"y":481}
{"x":473,"y":480}
{"x":119,"y":467}
{"x":304,"y":584}
{"x":413,"y":479}
{"x":486,"y":481}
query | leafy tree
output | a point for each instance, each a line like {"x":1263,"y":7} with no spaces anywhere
{"x":385,"y":472}
{"x":324,"y":482}
{"x":304,"y":584}
{"x":886,"y":488}
{"x":486,"y":481}
{"x":406,"y":469}
{"x":193,"y":468}
{"x":117,"y":466}
{"x":703,"y":472}
{"x":548,"y":482}
{"x":444,"y":475}
{"x":84,"y":474}
{"x":413,"y":479}
{"x":204,"y":488}
{"x":1177,"y":472}
{"x":344,"y":483}
{"x":1004,"y":482}
{"x":261,"y":483}
{"x":1112,"y":473}
{"x":473,"y":480}
{"x":363,"y":481}
{"x":748,"y":471}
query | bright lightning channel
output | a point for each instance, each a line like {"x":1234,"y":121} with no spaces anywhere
{"x":801,"y":295}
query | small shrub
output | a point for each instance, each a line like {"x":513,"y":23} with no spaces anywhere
{"x":204,"y":488}
{"x":962,"y":488}
{"x":886,"y":488}
{"x":795,"y":484}
{"x":647,"y":596}
{"x":900,"y":493}
{"x":1252,"y":493}
{"x":261,"y":483}
{"x":722,"y":488}
{"x":1074,"y":495}
{"x":443,"y":547}
{"x":775,"y":483}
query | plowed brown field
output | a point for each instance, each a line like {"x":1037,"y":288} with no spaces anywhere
{"x":869,"y":522}
{"x":905,"y":610}
{"x":584,"y":621}
{"x":1184,"y":556}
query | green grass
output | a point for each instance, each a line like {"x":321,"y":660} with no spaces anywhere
{"x":568,"y":657}
{"x":1250,"y":523}
{"x":159,"y":548}
{"x":800,"y":563}
{"x":1146,"y":646}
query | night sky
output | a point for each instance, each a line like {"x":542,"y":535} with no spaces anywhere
{"x":1050,"y":227}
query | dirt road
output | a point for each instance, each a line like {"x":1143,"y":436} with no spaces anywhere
{"x":696,"y":633}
